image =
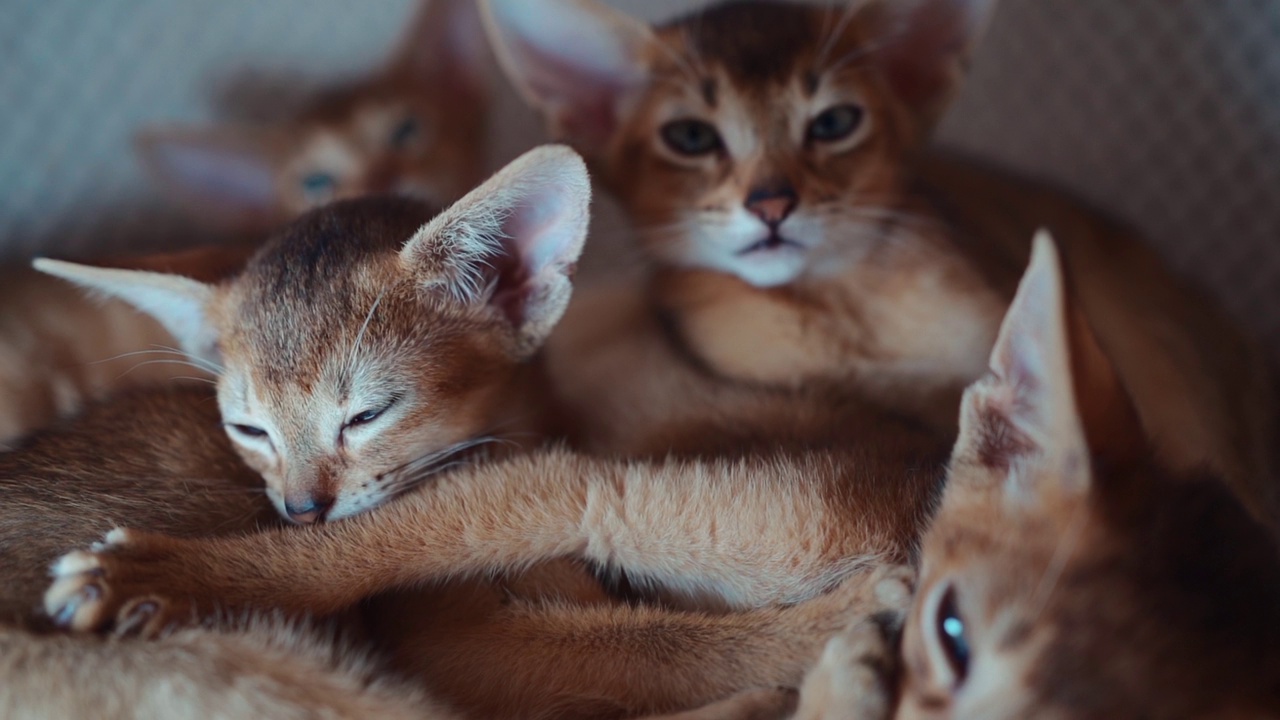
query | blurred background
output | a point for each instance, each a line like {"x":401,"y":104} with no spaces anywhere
{"x":1165,"y":112}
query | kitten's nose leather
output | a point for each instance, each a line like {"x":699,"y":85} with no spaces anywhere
{"x":308,"y":510}
{"x":772,"y":204}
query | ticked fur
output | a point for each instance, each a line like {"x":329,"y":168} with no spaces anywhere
{"x":369,"y":342}
{"x":415,"y":127}
{"x":773,"y":159}
{"x":1068,"y":575}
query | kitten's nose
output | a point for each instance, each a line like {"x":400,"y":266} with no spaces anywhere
{"x":772,"y":204}
{"x":308,"y":510}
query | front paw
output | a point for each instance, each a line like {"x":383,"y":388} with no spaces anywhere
{"x":854,"y":678}
{"x":129,"y":584}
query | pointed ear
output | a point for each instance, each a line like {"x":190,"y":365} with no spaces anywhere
{"x":512,"y":243}
{"x":577,"y":62}
{"x":227,"y":175}
{"x":924,"y":48}
{"x":179,"y":303}
{"x":1025,"y":407}
{"x":445,"y":47}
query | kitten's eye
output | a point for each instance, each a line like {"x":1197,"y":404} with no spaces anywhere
{"x":835,"y":123}
{"x":691,"y":137}
{"x":952,"y":636}
{"x":318,"y":185}
{"x":368,"y":416}
{"x":405,"y":133}
{"x":249,"y":431}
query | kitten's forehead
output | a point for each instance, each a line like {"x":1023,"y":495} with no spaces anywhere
{"x":754,"y":42}
{"x":307,"y":293}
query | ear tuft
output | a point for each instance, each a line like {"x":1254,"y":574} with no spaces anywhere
{"x":179,"y":303}
{"x":511,"y":243}
{"x":925,"y":49}
{"x":228,"y":176}
{"x":577,"y":62}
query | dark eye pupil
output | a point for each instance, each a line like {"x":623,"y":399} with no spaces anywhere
{"x":836,"y":123}
{"x":364,"y":417}
{"x":317,"y":183}
{"x":691,"y":137}
{"x":406,"y":131}
{"x":250,"y":430}
{"x":951,"y":632}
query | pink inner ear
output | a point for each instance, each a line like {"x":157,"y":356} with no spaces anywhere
{"x":540,"y":241}
{"x":583,"y":104}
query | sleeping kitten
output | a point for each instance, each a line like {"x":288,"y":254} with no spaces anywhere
{"x":416,"y":127}
{"x":1066,"y":576}
{"x":773,"y":158}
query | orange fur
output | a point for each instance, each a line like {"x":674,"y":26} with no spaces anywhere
{"x":773,"y":159}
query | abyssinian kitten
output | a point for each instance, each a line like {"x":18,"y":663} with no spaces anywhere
{"x":774,"y":160}
{"x":416,"y":127}
{"x":1065,"y":576}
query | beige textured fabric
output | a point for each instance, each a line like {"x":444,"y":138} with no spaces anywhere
{"x":1166,"y":112}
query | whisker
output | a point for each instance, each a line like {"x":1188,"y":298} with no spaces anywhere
{"x":355,"y":347}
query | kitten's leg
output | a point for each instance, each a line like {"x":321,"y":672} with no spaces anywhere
{"x":755,"y":704}
{"x":552,"y":659}
{"x":752,"y":532}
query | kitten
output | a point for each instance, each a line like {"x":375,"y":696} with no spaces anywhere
{"x":416,"y":127}
{"x":1066,"y":576}
{"x":370,"y":341}
{"x":774,"y":160}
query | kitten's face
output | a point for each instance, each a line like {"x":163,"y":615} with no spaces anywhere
{"x":416,"y":128}
{"x":1165,"y":604}
{"x":378,"y":143}
{"x":378,"y":387}
{"x":369,"y":342}
{"x":767,"y":140}
{"x":764,"y":170}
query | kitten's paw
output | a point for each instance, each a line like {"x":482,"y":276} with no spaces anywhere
{"x":119,"y":584}
{"x":892,"y":587}
{"x":853,"y":680}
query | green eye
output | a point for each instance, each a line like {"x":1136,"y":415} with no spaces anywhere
{"x":404,"y":133}
{"x":835,"y":123}
{"x":953,"y":636}
{"x":691,"y":137}
{"x":318,"y":184}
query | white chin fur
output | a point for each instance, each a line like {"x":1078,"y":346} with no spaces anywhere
{"x":719,"y":245}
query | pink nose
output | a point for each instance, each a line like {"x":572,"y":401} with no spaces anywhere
{"x":772,"y":204}
{"x":308,"y":510}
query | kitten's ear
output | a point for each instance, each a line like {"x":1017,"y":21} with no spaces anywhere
{"x":445,"y":46}
{"x":924,"y":47}
{"x":1052,"y":394}
{"x":512,"y":243}
{"x":577,"y":62}
{"x":226,"y":175}
{"x":179,"y":303}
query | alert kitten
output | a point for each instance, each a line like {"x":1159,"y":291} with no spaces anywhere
{"x":416,"y":127}
{"x":774,"y":160}
{"x":1066,"y":576}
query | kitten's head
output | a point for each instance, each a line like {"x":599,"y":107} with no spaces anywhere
{"x":763,"y":139}
{"x":1066,"y":576}
{"x":416,"y":128}
{"x":368,"y":341}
